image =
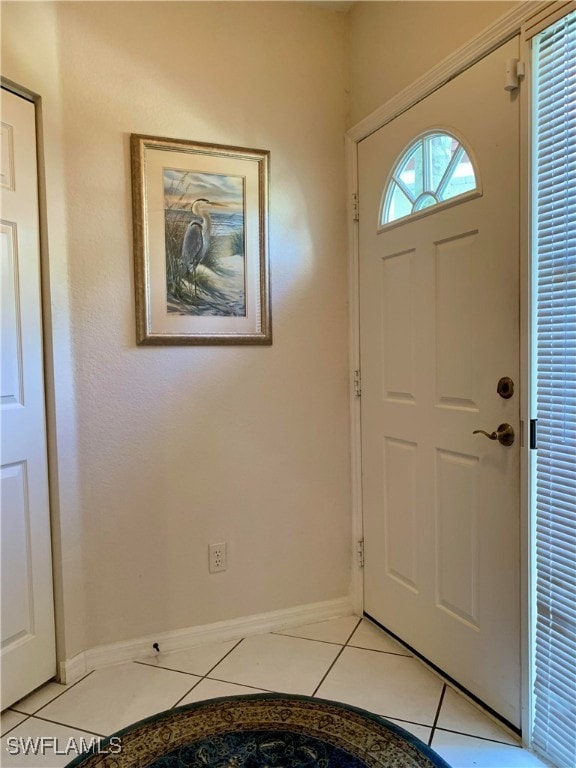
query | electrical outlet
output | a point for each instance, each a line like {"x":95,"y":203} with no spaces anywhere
{"x":217,"y":560}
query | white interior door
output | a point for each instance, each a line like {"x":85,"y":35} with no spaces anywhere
{"x":439,"y":322}
{"x":28,"y":641}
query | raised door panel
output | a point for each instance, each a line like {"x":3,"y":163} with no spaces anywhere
{"x":398,"y":327}
{"x":11,"y":390}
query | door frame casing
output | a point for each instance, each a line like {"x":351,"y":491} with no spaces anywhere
{"x":503,"y":29}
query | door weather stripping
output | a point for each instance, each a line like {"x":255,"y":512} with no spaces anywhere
{"x":361,"y":553}
{"x":355,"y":207}
{"x":357,"y":383}
{"x":533,"y":434}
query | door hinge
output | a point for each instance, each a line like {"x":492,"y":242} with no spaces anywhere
{"x":355,"y":207}
{"x":357,"y":383}
{"x":515,"y":71}
{"x":361,"y":553}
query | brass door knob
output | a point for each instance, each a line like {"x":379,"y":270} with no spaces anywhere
{"x":504,"y":434}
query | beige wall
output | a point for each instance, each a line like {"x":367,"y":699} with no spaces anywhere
{"x":159,"y":452}
{"x":394,"y":43}
{"x":164,"y":450}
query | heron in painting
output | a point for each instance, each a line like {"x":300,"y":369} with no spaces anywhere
{"x":196,"y":241}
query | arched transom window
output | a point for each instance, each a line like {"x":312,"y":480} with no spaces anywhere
{"x":434,"y":168}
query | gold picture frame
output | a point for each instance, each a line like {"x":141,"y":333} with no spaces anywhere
{"x":200,"y":215}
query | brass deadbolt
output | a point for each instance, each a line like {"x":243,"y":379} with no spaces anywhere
{"x":505,"y":387}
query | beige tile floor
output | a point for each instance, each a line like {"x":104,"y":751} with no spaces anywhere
{"x":347,"y":659}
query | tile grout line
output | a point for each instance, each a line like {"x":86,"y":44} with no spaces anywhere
{"x":334,"y":642}
{"x":310,"y":639}
{"x":353,"y":631}
{"x":377,"y":650}
{"x":27,"y":717}
{"x":342,"y":649}
{"x":68,"y":688}
{"x":167,"y":669}
{"x":406,"y":654}
{"x":188,"y":692}
{"x":295,"y":637}
{"x":340,"y":652}
{"x":73,"y":727}
{"x":207,"y":673}
{"x":224,"y":657}
{"x":482,"y":738}
{"x":327,"y":642}
{"x":433,"y":730}
{"x":436,"y":727}
{"x":403,"y":721}
{"x":242,"y":685}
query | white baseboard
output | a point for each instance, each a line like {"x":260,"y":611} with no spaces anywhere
{"x":71,"y":670}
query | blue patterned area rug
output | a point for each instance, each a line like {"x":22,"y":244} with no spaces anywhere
{"x":262,"y":731}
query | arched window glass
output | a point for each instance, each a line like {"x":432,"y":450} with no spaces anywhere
{"x":434,"y":168}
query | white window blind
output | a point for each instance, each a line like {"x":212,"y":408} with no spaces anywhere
{"x":554,"y":173}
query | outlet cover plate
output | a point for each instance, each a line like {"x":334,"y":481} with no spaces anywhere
{"x":217,"y":557}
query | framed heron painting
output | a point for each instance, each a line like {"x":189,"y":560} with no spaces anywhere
{"x":200,"y":242}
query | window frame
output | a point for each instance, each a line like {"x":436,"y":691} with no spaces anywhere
{"x":456,"y":200}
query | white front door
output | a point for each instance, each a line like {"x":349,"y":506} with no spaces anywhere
{"x":28,"y":641}
{"x":439,"y":321}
